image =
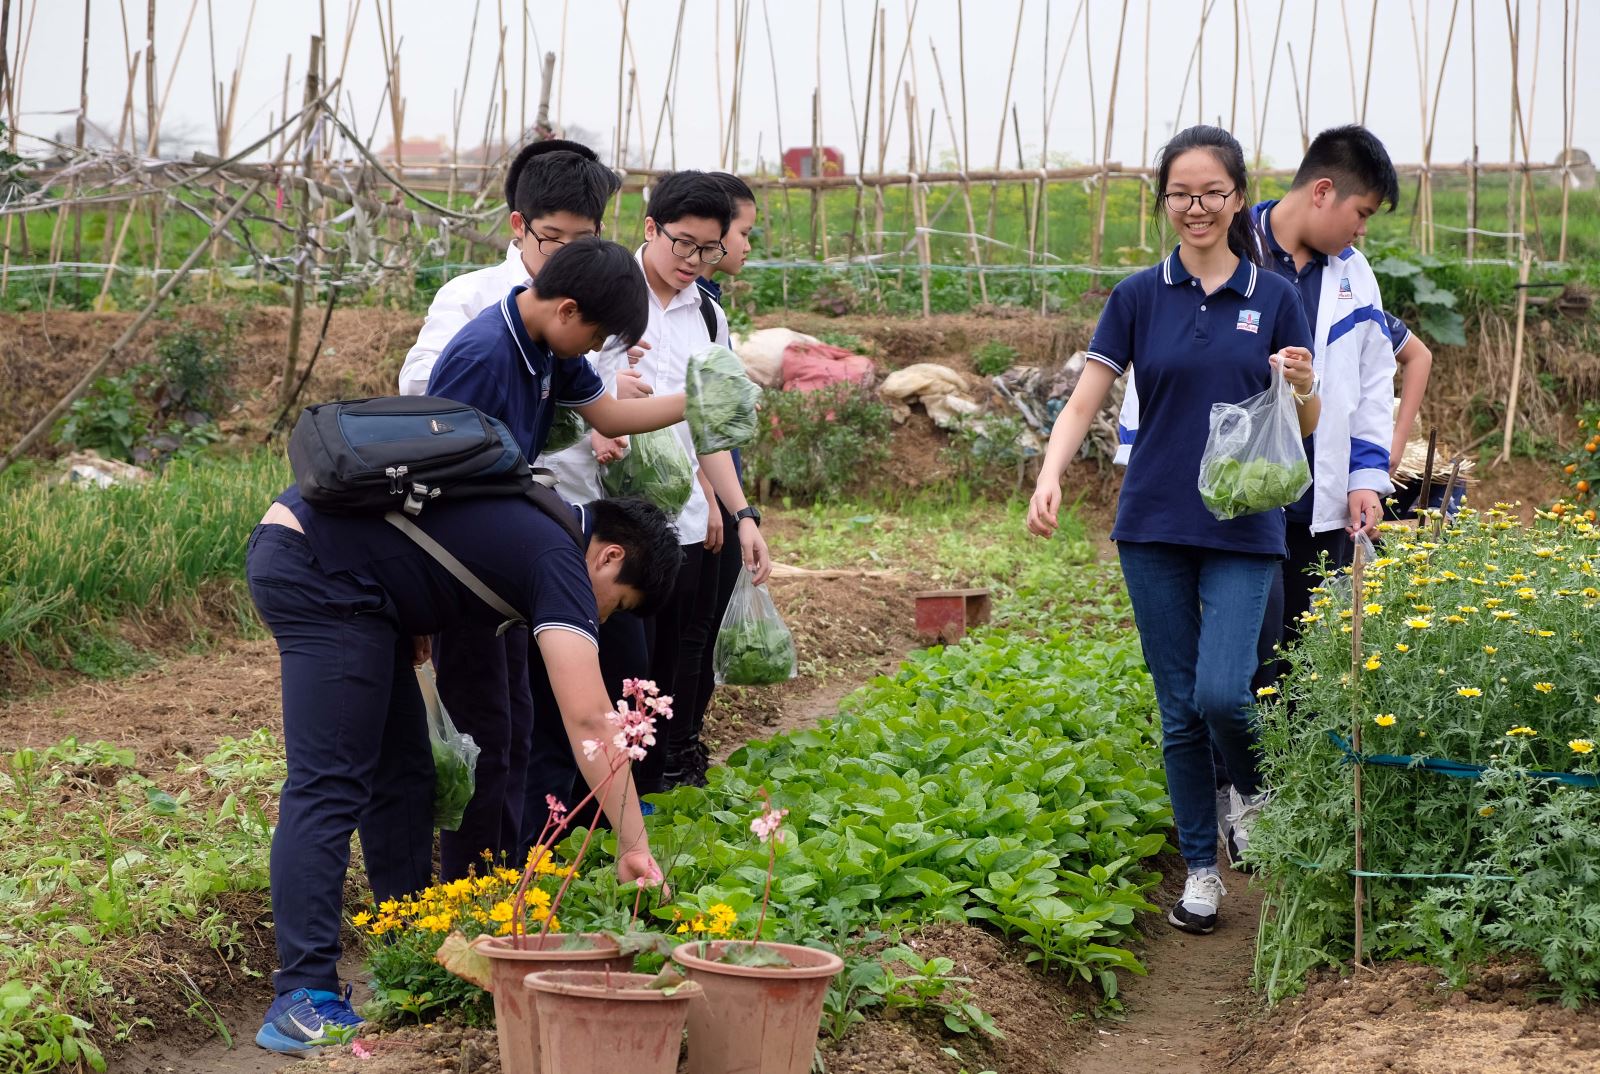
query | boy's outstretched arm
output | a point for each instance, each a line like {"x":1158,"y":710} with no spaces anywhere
{"x":614,"y":417}
{"x":1416,"y":365}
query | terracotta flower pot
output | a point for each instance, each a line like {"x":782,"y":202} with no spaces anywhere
{"x":755,"y":1019}
{"x":516,"y":1022}
{"x":598,"y":1023}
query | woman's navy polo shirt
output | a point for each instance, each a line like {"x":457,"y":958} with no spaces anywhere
{"x":1192,"y":350}
{"x":494,"y":365}
{"x":513,"y":547}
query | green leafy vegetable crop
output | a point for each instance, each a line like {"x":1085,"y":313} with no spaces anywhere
{"x":655,"y":469}
{"x":754,"y":652}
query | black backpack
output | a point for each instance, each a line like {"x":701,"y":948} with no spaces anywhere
{"x":399,"y":453}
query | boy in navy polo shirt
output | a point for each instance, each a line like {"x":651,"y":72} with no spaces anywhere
{"x":516,"y":361}
{"x":351,"y":602}
{"x":1205,"y":326}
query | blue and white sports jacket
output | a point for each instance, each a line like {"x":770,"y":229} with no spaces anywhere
{"x":1354,"y":356}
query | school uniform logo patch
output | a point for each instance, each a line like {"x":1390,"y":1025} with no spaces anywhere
{"x":1249,"y":321}
{"x":1344,"y":288}
{"x":544,"y":387}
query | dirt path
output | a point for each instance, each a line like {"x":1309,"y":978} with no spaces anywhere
{"x":1182,"y":1018}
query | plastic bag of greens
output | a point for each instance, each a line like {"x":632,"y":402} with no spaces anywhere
{"x":455,"y":757}
{"x":754,"y":646}
{"x":720,"y":401}
{"x":656,"y":468}
{"x":1254,"y":459}
{"x":567,"y":429}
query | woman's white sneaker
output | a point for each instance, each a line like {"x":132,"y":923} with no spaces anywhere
{"x":1196,"y":911}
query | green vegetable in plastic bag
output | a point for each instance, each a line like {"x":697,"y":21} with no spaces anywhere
{"x":567,"y":429}
{"x":754,"y":646}
{"x":720,"y":401}
{"x":1254,"y":459}
{"x":656,"y":468}
{"x":455,"y":757}
{"x":1231,"y":487}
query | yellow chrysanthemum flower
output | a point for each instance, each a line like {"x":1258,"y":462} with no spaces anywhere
{"x":1544,"y":687}
{"x":1490,"y":649}
{"x":1266,"y":691}
{"x":1521,"y":732}
{"x":1469,"y":691}
{"x":1384,"y":720}
{"x":1419,"y":623}
{"x":1401,"y":647}
{"x":1372,"y":609}
{"x":1581,"y":745}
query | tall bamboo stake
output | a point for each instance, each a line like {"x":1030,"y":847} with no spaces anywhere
{"x":1569,"y":102}
{"x":1000,"y":142}
{"x":1357,"y":592}
{"x":1266,"y":96}
{"x":622,"y":57}
{"x":1349,"y":54}
{"x":966,"y":187}
{"x":819,"y":164}
{"x":303,"y":253}
{"x":1472,"y":174}
{"x":1433,"y":122}
{"x":1526,"y":261}
{"x":865,"y":121}
{"x":79,"y":132}
{"x":1513,"y":26}
{"x":1366,"y":85}
{"x":672,"y":75}
{"x":1233,"y":107}
{"x":1097,"y":243}
{"x":1311,"y":51}
{"x":1144,"y":137}
{"x":1200,"y":69}
{"x":920,"y":201}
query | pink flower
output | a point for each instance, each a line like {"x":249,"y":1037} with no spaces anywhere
{"x":360,"y":1051}
{"x":554,"y":803}
{"x":767,"y":825}
{"x":591,"y":746}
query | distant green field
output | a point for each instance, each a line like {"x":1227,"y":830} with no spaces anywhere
{"x":787,"y":242}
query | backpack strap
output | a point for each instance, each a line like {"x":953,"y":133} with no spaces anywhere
{"x":457,"y":569}
{"x":708,"y":311}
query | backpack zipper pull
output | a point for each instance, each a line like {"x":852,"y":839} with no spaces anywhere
{"x":396,"y":476}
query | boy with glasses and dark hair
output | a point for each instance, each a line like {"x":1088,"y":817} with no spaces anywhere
{"x":686,"y":230}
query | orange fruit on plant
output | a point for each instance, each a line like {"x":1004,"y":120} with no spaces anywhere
{"x":1583,"y":486}
{"x":1591,"y":447}
{"x":1570,"y":468}
{"x":1589,"y":514}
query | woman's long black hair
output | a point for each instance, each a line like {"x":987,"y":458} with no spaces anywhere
{"x":1242,"y":239}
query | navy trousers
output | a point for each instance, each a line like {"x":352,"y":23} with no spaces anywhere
{"x":356,"y":741}
{"x":483,"y":682}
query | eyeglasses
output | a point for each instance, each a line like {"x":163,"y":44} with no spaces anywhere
{"x":1212,"y":201}
{"x":547,"y":247}
{"x":689,"y":250}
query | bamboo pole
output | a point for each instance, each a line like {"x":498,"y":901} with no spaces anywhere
{"x":819,"y":164}
{"x":1233,"y":107}
{"x":1526,"y":262}
{"x":1349,"y":54}
{"x":1266,"y":96}
{"x":1000,"y":142}
{"x":1357,"y":593}
{"x":303,"y":252}
{"x":522,"y":99}
{"x":1311,"y":54}
{"x":1472,"y":175}
{"x":1513,"y":26}
{"x":1144,"y":136}
{"x":966,"y":187}
{"x":1366,"y":84}
{"x":1433,"y":122}
{"x":1200,"y":67}
{"x":80,"y":130}
{"x":777,"y":109}
{"x":672,"y":75}
{"x":919,"y":198}
{"x":1569,"y":103}
{"x":864,"y":119}
{"x":1097,"y":244}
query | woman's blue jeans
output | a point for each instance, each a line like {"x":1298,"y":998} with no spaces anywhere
{"x":1199,"y":613}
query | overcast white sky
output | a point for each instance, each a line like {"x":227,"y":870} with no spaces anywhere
{"x":435,"y":37}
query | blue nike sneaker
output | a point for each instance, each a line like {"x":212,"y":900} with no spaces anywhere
{"x":292,"y":1025}
{"x":339,"y":1018}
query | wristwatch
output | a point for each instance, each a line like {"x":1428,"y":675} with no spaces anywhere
{"x":747,"y":512}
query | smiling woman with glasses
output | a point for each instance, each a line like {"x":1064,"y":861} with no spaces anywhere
{"x":1212,"y":201}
